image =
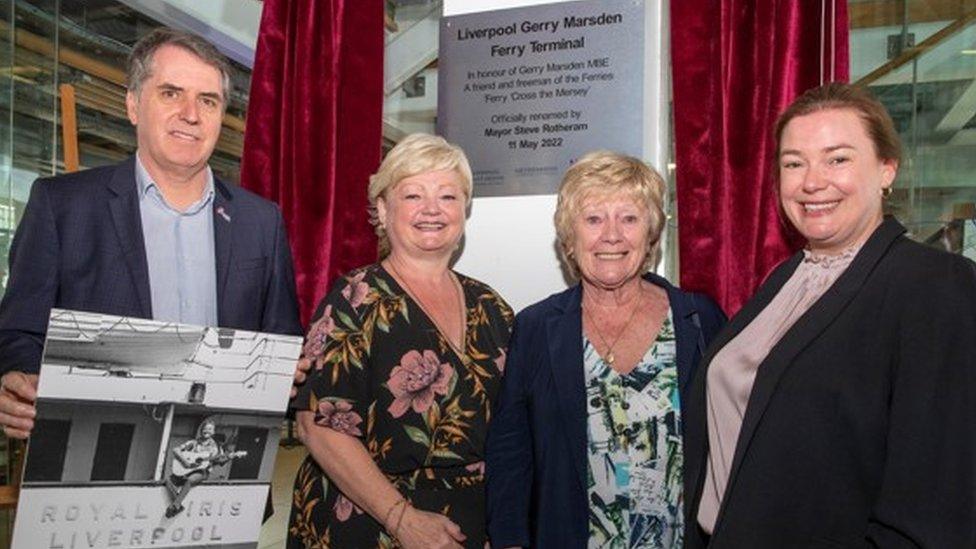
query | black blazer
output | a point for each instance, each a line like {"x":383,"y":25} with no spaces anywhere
{"x":861,"y":426}
{"x":536,"y":448}
{"x":80,"y":246}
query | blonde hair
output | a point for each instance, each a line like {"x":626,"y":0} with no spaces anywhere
{"x":416,"y":154}
{"x":602,"y":173}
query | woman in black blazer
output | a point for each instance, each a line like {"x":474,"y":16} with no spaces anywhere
{"x":838,"y":408}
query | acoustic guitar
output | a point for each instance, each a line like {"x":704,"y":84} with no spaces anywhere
{"x":202,"y":461}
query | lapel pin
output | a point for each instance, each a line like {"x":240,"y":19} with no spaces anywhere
{"x":222,"y":213}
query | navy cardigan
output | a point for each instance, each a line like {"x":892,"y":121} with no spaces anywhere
{"x":536,"y":448}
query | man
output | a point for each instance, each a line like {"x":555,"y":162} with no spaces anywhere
{"x":156,"y":236}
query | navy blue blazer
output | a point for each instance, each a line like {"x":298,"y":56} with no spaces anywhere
{"x":80,"y":246}
{"x":536,"y":447}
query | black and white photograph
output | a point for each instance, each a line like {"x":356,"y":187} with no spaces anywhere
{"x":152,"y":434}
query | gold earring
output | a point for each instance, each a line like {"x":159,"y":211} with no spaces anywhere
{"x":885,"y":192}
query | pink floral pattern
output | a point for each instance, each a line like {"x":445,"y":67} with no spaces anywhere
{"x":318,"y":335}
{"x":355,"y":292}
{"x":344,"y":508}
{"x":338,"y":416}
{"x":416,"y":380}
{"x":384,"y":374}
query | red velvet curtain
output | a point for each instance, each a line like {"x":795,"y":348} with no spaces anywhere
{"x":736,"y":65}
{"x":314,"y":130}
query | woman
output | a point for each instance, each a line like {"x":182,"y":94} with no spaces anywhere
{"x":840,"y":403}
{"x":586,"y":443}
{"x":407,"y":361}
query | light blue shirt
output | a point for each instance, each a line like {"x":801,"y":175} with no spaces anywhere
{"x":180,"y":253}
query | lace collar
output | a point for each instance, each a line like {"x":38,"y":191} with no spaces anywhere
{"x":832,"y":261}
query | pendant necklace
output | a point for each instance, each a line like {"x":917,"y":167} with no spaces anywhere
{"x":416,"y":298}
{"x":633,"y":313}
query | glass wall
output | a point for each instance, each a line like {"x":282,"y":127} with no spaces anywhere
{"x":919,"y":58}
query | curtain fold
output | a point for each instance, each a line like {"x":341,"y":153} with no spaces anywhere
{"x":314,"y":131}
{"x":736,"y":64}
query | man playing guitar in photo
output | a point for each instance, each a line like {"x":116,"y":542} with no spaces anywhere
{"x":192,"y":462}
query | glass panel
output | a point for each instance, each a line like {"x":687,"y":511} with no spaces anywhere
{"x":27,"y":107}
{"x":919,"y":58}
{"x":7,"y":221}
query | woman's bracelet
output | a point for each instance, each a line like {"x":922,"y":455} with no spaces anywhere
{"x":396,"y":531}
{"x":386,"y":518}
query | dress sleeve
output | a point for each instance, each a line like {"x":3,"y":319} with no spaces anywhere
{"x":337,"y":390}
{"x":928,"y":492}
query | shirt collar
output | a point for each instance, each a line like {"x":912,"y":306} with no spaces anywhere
{"x":146,"y":185}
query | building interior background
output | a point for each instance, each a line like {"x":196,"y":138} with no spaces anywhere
{"x":62,"y":107}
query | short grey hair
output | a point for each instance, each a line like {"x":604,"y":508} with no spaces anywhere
{"x":141,"y":58}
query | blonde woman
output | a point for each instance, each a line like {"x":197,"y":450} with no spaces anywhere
{"x":407,"y":359}
{"x":585,"y":448}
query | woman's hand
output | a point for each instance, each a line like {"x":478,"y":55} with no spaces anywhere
{"x":301,"y":372}
{"x":423,"y":530}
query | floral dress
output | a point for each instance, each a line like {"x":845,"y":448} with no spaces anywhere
{"x":634,"y":443}
{"x":385,"y":374}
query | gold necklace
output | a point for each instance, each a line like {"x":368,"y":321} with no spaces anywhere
{"x":416,"y":298}
{"x":609,"y":355}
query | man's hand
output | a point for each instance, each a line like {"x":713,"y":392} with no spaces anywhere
{"x":304,"y":365}
{"x":18,"y":392}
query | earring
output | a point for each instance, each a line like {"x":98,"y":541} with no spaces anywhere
{"x":885,"y":192}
